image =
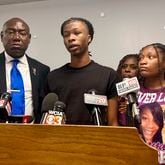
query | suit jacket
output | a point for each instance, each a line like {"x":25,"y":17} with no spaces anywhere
{"x":38,"y":74}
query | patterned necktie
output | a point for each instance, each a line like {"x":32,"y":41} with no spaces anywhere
{"x":18,"y":94}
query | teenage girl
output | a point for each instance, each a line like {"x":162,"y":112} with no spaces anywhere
{"x":152,"y":71}
{"x":152,"y":85}
{"x":127,"y":68}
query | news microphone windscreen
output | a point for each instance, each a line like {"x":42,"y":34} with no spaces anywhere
{"x":59,"y":105}
{"x":128,"y":85}
{"x":48,"y":102}
{"x":6,"y":96}
{"x":5,"y":105}
{"x":94,"y":99}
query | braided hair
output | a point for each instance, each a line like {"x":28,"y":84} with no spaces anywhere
{"x":159,"y":49}
{"x":85,"y":21}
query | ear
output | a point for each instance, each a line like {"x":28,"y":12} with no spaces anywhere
{"x":29,"y":38}
{"x":89,"y":39}
{"x":1,"y":35}
{"x":164,"y":63}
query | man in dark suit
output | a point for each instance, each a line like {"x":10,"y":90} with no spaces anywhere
{"x":16,"y":37}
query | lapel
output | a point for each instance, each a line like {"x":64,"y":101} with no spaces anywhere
{"x":34,"y":76}
{"x":2,"y":73}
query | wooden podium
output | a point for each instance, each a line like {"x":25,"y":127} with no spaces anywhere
{"x":73,"y":145}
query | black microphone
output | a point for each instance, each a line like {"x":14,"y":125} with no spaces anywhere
{"x":5,"y":106}
{"x":48,"y":104}
{"x":57,"y":115}
{"x":132,"y":100}
{"x":128,"y":88}
{"x":95,"y":101}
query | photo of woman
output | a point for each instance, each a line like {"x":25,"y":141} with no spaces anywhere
{"x":151,"y":126}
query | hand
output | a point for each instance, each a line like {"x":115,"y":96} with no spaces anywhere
{"x":122,"y":105}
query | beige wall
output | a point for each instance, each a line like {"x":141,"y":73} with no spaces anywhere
{"x":121,"y":27}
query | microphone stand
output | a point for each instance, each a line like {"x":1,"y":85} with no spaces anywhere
{"x":129,"y":116}
{"x":96,"y":118}
{"x":133,"y":110}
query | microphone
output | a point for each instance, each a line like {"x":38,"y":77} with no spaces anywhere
{"x":5,"y":106}
{"x":92,"y":98}
{"x":96,"y":100}
{"x":27,"y":119}
{"x":47,"y":104}
{"x":20,"y":119}
{"x":57,"y":115}
{"x":128,"y":88}
{"x":128,"y":85}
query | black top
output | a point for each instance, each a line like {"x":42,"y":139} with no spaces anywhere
{"x":70,"y":84}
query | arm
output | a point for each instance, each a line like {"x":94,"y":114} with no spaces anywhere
{"x":113,"y":111}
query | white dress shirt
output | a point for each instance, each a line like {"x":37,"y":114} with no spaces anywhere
{"x":23,"y":67}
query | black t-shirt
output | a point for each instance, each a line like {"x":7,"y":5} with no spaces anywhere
{"x":70,"y":84}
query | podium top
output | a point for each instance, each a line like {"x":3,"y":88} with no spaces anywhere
{"x":27,"y":144}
